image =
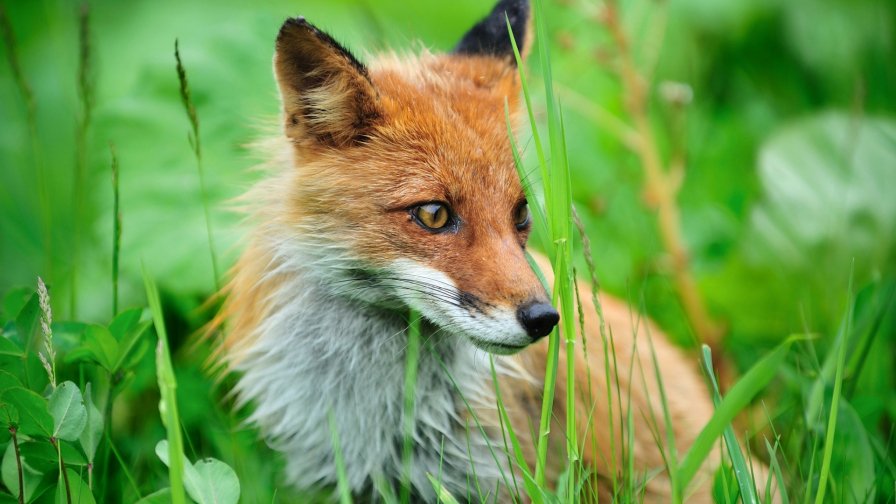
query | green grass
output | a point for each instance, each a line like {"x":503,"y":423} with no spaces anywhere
{"x":826,"y":395}
{"x":168,"y":390}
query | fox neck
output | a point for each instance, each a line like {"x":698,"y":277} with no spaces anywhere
{"x":323,"y":360}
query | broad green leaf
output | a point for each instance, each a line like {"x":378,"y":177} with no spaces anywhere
{"x":69,"y":414}
{"x":34,"y":376}
{"x":80,"y":493}
{"x":162,"y":496}
{"x":189,"y":472}
{"x":828,"y":184}
{"x":67,"y":335}
{"x":103,"y":345}
{"x":210,"y":481}
{"x":14,"y":301}
{"x":27,"y":369}
{"x":8,"y":381}
{"x":124,"y":321}
{"x":34,"y":415}
{"x":132,"y":347}
{"x":28,"y":324}
{"x":219,"y":483}
{"x":9,"y":472}
{"x":8,"y":415}
{"x":42,"y":456}
{"x":93,"y":431}
{"x":9,"y":347}
{"x":8,"y":499}
{"x":808,"y":27}
{"x":99,"y":346}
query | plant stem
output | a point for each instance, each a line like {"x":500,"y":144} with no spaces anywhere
{"x":168,"y":390}
{"x":85,"y":99}
{"x":15,"y":443}
{"x":193,"y":136}
{"x":103,"y":476}
{"x":116,"y":229}
{"x":68,"y":490}
{"x":661,"y":184}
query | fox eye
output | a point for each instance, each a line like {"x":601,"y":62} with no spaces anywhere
{"x":521,"y":216}
{"x":432,"y":217}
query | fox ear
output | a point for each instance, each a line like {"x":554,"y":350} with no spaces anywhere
{"x":489,"y":36}
{"x":326,"y":93}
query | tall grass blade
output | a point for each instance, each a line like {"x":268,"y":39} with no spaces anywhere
{"x":775,"y":467}
{"x":733,"y":403}
{"x":524,"y":84}
{"x":168,"y":389}
{"x":828,"y":453}
{"x":669,"y":452}
{"x":738,"y":463}
{"x":564,"y":284}
{"x":528,"y":186}
{"x":193,"y":137}
{"x":559,"y":229}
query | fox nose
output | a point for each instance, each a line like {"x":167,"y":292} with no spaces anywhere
{"x":537,"y":319}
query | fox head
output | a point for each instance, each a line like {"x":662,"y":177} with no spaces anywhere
{"x":403,"y":180}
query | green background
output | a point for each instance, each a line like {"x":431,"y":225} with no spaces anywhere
{"x":789,"y":140}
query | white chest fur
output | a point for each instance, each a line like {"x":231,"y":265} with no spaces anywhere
{"x":318,"y":357}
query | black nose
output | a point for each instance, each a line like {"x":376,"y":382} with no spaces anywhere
{"x":537,"y":319}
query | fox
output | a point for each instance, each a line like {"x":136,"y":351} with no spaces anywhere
{"x":392,"y":187}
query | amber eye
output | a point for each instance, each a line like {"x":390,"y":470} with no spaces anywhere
{"x":432,"y":216}
{"x":521,"y":216}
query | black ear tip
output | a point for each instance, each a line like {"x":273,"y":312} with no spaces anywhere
{"x":294,"y":25}
{"x":513,"y":7}
{"x":489,"y":36}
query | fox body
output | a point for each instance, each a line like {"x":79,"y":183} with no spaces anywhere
{"x":394,"y":187}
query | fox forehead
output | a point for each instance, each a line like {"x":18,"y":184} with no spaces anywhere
{"x":443,"y":129}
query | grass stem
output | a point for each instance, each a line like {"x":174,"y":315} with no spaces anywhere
{"x":116,"y":228}
{"x":85,"y":97}
{"x":845,"y":329}
{"x":194,"y":139}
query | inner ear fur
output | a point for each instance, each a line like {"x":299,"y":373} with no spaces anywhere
{"x":326,"y":93}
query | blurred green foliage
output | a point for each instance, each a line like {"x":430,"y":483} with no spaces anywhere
{"x":789,"y":142}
